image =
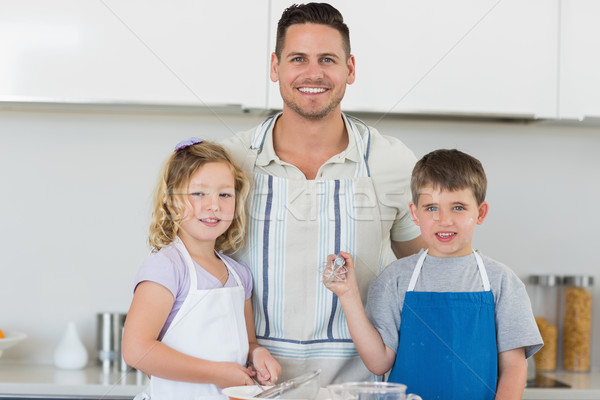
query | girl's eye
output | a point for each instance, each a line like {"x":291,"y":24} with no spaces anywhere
{"x":197,"y":194}
{"x":226,"y":195}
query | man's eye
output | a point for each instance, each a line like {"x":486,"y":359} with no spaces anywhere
{"x":327,"y":60}
{"x":297,"y":59}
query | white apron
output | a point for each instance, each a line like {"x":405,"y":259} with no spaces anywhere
{"x":293,"y":225}
{"x":210,"y":325}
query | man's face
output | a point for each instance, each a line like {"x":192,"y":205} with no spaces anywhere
{"x":313,"y":70}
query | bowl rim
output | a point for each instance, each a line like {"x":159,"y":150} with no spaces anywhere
{"x":10,"y":335}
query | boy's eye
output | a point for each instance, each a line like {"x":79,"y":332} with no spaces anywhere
{"x":431,"y":208}
{"x":459,"y":208}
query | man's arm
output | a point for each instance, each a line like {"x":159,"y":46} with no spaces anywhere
{"x":408,"y":248}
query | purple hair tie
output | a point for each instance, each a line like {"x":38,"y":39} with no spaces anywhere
{"x":188,"y":142}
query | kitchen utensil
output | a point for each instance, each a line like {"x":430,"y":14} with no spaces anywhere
{"x":335,"y":271}
{"x":10,"y":339}
{"x":370,"y":391}
{"x":301,"y":387}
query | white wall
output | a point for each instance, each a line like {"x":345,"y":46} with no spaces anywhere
{"x":76,"y":187}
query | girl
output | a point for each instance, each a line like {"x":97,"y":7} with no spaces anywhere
{"x":190,"y":324}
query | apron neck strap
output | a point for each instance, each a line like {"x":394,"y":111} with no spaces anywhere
{"x":421,"y":260}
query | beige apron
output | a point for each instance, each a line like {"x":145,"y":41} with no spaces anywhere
{"x":210,"y":325}
{"x":293,"y":225}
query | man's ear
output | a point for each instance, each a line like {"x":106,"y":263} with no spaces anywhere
{"x":483,"y":210}
{"x":274,"y":70}
{"x":351,"y":70}
{"x":413,"y":212}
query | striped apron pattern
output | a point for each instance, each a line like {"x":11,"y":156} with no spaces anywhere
{"x":293,"y":225}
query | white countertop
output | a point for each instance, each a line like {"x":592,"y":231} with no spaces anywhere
{"x":584,"y":385}
{"x":36,"y":379}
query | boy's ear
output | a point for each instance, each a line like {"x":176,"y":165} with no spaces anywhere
{"x":413,"y":212}
{"x":483,"y":210}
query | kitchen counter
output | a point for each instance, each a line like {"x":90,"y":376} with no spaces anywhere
{"x":33,"y":379}
{"x":582,"y":386}
{"x":36,"y":379}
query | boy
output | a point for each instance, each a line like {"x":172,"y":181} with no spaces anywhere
{"x":449,"y":322}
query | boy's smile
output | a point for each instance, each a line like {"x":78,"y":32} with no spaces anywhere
{"x":447,"y":220}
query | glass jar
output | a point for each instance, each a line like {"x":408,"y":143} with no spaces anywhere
{"x":544,"y":293}
{"x":577,"y":322}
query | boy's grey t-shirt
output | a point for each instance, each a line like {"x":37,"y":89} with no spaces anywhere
{"x":515,"y":323}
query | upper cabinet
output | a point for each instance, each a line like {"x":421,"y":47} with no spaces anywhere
{"x":580,"y":59}
{"x":135,"y":51}
{"x":485,"y":57}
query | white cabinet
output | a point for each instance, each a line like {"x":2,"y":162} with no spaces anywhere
{"x":580,"y":59}
{"x":167,"y":52}
{"x":459,"y":57}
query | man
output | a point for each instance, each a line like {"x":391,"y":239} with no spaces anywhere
{"x":322,"y":182}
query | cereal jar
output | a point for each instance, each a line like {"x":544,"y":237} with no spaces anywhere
{"x":577,"y":322}
{"x":544,"y":292}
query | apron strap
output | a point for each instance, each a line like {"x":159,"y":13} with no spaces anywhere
{"x":419,"y":265}
{"x":482,"y":272}
{"x":188,"y":262}
{"x":417,"y":271}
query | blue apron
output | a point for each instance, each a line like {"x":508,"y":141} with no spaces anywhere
{"x":447,"y":342}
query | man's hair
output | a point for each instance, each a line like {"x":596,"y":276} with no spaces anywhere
{"x":449,"y":170}
{"x":311,"y":13}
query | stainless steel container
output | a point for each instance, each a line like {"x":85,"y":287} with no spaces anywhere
{"x":108,"y":339}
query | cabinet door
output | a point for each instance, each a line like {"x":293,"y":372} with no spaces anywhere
{"x":462,"y":56}
{"x":580,"y":59}
{"x":142,"y":51}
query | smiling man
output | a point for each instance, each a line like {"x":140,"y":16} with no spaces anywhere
{"x":322,"y":182}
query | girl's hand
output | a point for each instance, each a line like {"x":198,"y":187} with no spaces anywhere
{"x":266,"y":369}
{"x":228,"y":374}
{"x":345,"y":283}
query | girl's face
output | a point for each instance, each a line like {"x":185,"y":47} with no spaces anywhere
{"x":211,"y":193}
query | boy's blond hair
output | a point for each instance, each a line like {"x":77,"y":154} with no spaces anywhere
{"x":449,"y":170}
{"x":173,"y":185}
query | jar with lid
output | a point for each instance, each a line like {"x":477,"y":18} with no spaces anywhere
{"x":544,"y":292}
{"x":577,"y":322}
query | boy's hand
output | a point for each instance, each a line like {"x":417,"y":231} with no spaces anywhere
{"x":339,"y":282}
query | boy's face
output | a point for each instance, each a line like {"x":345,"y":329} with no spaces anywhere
{"x":447,"y":220}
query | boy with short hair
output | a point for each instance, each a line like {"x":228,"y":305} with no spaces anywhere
{"x":449,"y":322}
